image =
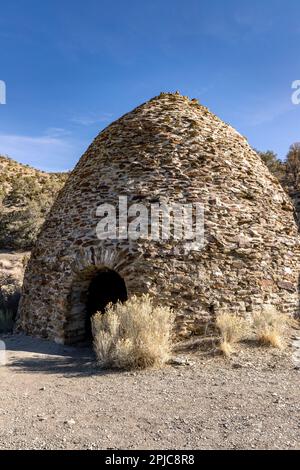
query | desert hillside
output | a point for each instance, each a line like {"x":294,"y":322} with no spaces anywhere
{"x":26,"y":195}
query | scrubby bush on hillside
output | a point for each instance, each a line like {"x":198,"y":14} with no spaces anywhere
{"x":19,"y":228}
{"x":275,"y":165}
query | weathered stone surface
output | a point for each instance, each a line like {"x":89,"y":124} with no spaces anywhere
{"x":169,"y":149}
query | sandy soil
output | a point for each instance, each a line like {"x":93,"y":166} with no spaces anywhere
{"x":53,"y":397}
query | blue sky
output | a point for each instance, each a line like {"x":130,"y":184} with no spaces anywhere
{"x":71,"y":67}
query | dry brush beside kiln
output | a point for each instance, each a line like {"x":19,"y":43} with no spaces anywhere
{"x":169,"y":149}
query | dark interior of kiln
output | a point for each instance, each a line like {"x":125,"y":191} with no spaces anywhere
{"x":106,"y":286}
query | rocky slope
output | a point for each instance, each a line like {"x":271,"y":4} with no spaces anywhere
{"x":26,"y":195}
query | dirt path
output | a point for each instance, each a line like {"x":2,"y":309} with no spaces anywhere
{"x":52,"y":397}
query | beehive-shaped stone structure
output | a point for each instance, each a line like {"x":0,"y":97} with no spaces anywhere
{"x":169,"y":149}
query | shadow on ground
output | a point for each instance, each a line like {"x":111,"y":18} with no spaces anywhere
{"x":66,"y":366}
{"x":20,"y":342}
{"x":27,"y":354}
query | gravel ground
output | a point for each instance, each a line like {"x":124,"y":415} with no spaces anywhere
{"x":53,"y":397}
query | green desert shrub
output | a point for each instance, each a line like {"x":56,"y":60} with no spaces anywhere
{"x":19,"y":228}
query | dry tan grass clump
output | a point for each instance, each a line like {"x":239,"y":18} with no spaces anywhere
{"x":133,"y":335}
{"x":270,"y":326}
{"x":232,"y":329}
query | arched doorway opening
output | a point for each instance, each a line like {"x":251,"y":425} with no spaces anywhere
{"x":106,"y":287}
{"x":92,"y":290}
